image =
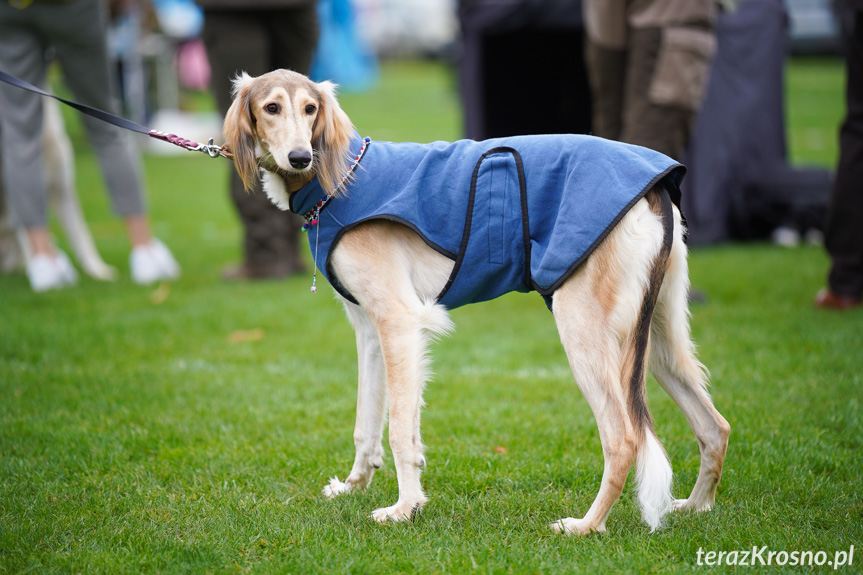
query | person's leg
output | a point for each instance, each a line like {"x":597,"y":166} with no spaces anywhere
{"x":295,"y":37}
{"x":236,"y":43}
{"x":22,"y":54}
{"x":606,"y":69}
{"x":245,"y":40}
{"x":78,"y":33}
{"x":645,"y":123}
{"x":844,"y":235}
{"x":606,"y":55}
{"x":138,"y":229}
{"x":81,"y":51}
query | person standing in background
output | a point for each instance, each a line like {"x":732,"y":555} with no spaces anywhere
{"x":844,"y":234}
{"x":258,"y":36}
{"x":74,"y":32}
{"x":648,"y":63}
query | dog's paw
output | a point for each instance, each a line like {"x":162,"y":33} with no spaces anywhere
{"x":335,"y":488}
{"x":690,"y":505}
{"x":101,"y":271}
{"x":572,"y":526}
{"x":398,"y":512}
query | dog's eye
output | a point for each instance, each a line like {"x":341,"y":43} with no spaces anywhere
{"x":272,"y":108}
{"x":311,"y":109}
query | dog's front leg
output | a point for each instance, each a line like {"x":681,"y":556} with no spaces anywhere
{"x":371,"y":405}
{"x":404,"y":344}
{"x":395,"y":276}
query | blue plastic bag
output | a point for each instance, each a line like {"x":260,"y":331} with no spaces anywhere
{"x":341,"y":55}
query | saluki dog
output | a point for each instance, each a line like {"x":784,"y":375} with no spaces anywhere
{"x":405,"y":231}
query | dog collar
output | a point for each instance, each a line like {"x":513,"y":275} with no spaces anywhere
{"x":311,"y":216}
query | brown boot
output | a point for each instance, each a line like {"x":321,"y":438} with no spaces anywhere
{"x":828,"y":299}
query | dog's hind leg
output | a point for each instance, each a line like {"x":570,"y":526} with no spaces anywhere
{"x":60,"y":178}
{"x":673,"y":363}
{"x":603,"y":313}
{"x":74,"y":224}
{"x":594,"y":357}
{"x":371,"y":406}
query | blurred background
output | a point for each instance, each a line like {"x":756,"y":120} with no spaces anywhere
{"x":761,"y":152}
{"x":760,"y":164}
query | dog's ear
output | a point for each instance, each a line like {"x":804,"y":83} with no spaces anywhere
{"x":239,"y":131}
{"x":331,"y":137}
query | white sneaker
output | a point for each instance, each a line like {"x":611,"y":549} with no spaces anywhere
{"x":47,"y":273}
{"x":153,"y":262}
{"x":785,"y":237}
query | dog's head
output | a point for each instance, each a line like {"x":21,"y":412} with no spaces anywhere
{"x":287,"y":124}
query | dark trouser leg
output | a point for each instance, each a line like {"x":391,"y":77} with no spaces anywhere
{"x":258,"y":42}
{"x":662,"y":128}
{"x":607,"y":73}
{"x":844,"y":237}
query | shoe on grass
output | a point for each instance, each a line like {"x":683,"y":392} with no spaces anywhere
{"x":46,"y":272}
{"x":828,"y":299}
{"x":152,"y":263}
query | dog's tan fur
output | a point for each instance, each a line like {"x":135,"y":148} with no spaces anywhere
{"x":254,"y":134}
{"x":602,"y":313}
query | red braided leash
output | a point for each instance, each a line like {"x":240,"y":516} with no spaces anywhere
{"x":209,"y":148}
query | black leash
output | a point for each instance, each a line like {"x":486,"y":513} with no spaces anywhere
{"x":209,"y":148}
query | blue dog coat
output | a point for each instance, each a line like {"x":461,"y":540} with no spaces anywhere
{"x":514,"y":214}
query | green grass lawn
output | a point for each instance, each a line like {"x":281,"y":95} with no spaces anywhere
{"x":813,"y":110}
{"x":138,"y":436}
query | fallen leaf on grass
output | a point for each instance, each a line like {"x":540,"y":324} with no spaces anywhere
{"x":242,"y":335}
{"x":501,"y":449}
{"x":161,"y":293}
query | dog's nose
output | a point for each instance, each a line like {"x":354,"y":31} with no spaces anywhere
{"x":300,"y":160}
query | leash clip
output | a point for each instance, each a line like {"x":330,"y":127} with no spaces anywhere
{"x":210,"y":149}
